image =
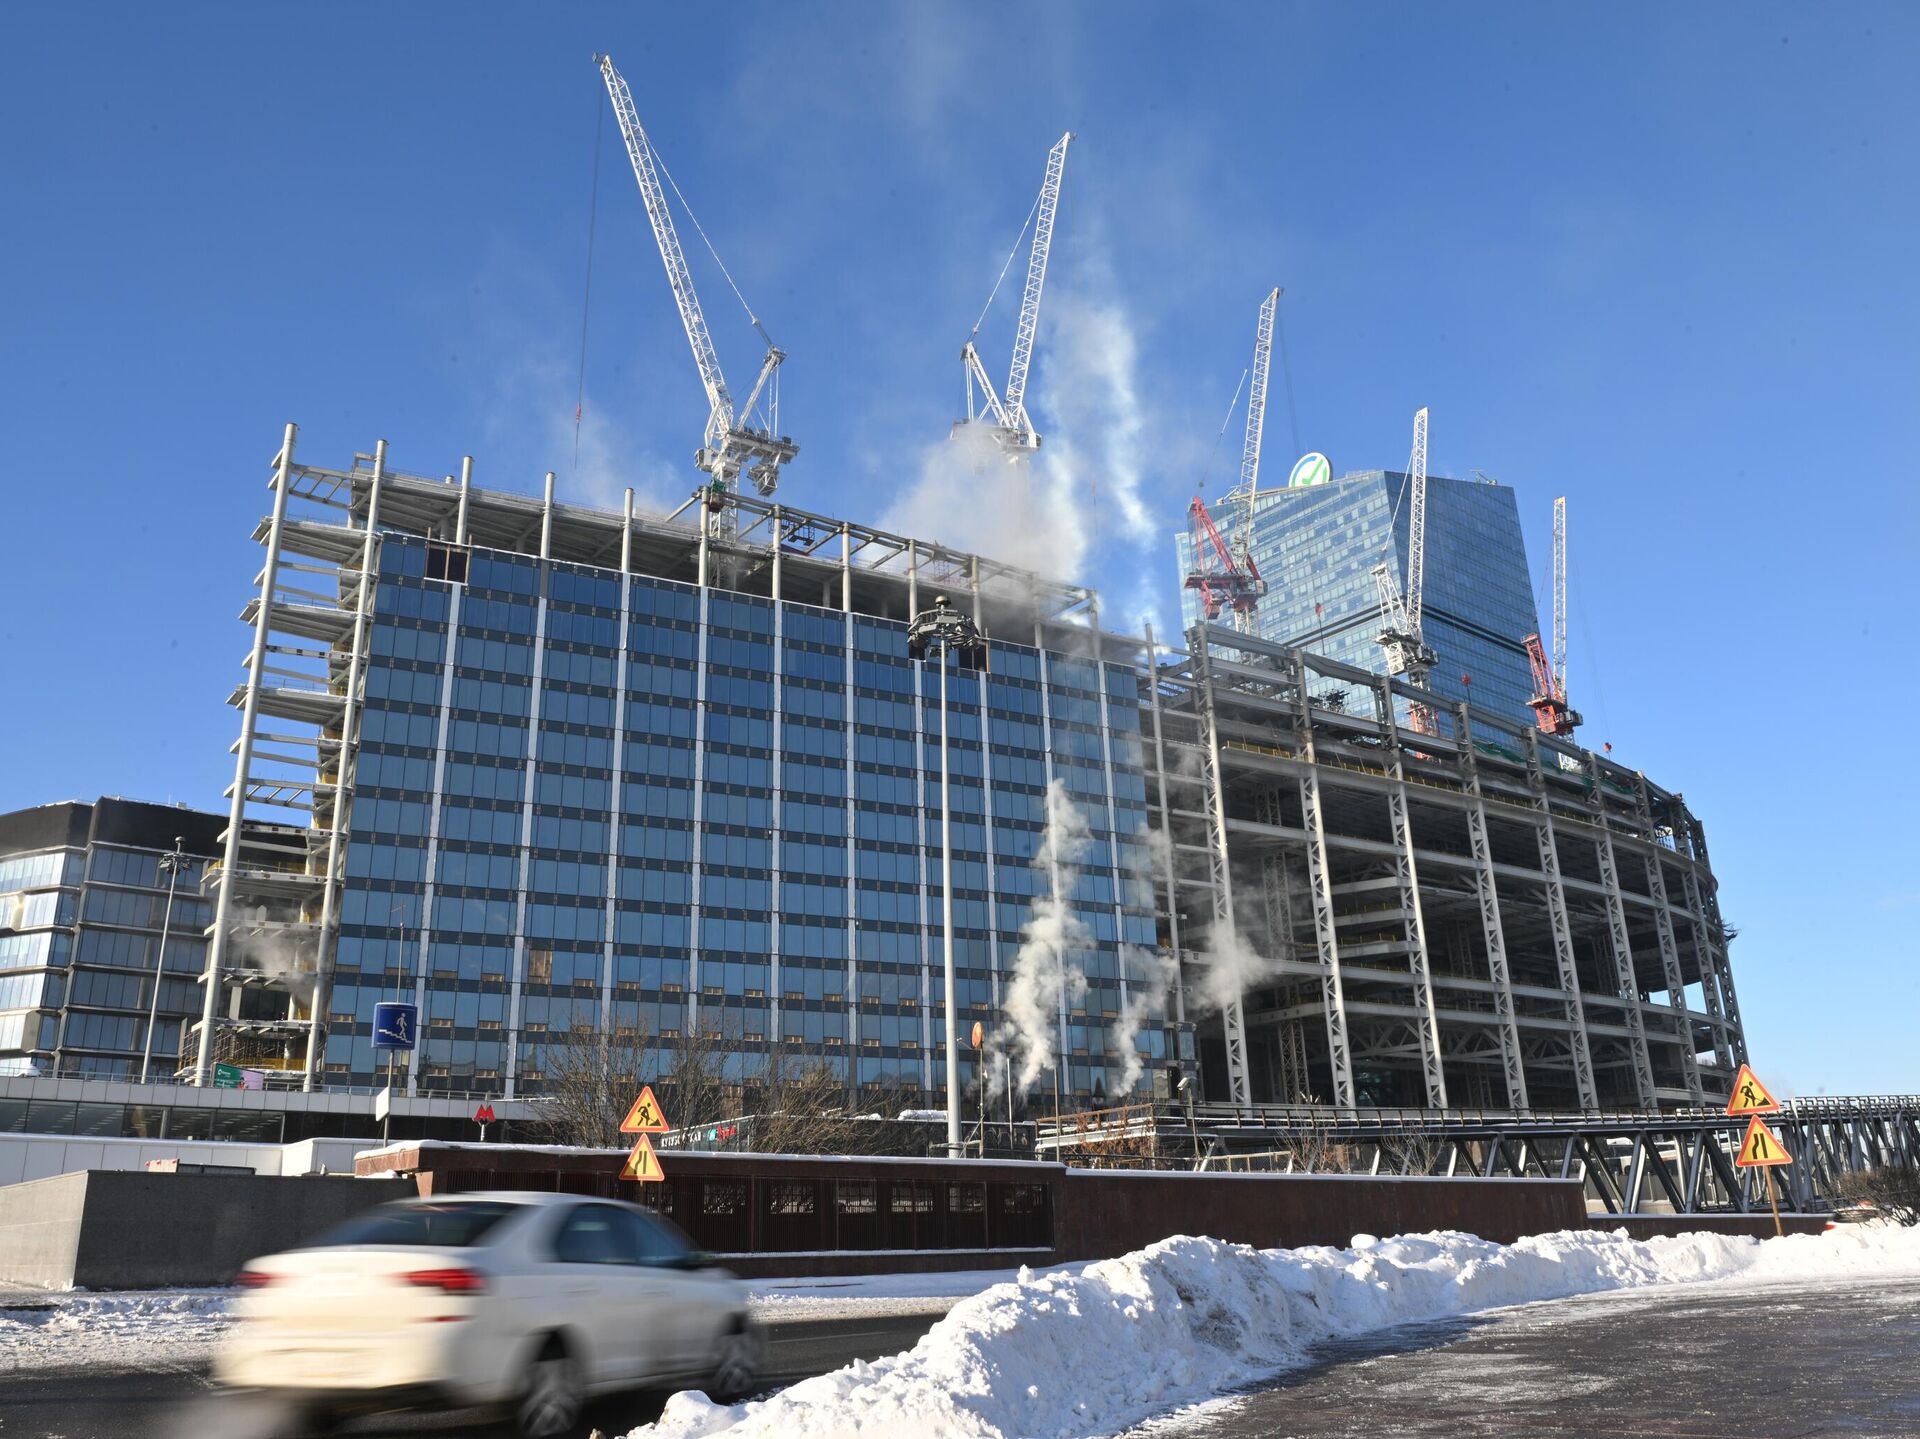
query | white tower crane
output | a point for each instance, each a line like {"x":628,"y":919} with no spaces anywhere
{"x":1247,"y":491}
{"x":1407,"y":651}
{"x":732,"y":442}
{"x":1549,"y":702}
{"x":1012,"y":426}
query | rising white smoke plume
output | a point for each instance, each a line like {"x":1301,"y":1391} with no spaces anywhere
{"x":1044,"y":976}
{"x":1152,"y":974}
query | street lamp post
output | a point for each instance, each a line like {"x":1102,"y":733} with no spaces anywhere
{"x":171,"y":862}
{"x":953,"y":633}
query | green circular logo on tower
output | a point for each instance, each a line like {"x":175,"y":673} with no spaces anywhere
{"x":1313,"y":469}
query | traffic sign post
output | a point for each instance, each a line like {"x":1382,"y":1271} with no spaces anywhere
{"x":483,"y":1116}
{"x":1761,"y":1149}
{"x":644,"y":1118}
{"x":226,"y":1076}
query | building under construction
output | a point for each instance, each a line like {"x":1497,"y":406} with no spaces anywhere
{"x":1479,"y":915}
{"x":569,"y":770}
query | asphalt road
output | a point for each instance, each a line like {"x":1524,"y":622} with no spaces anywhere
{"x":1832,"y":1361}
{"x":178,"y":1402}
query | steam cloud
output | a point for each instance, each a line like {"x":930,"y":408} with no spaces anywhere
{"x":1043,"y":976}
{"x":1233,"y":966}
{"x":1077,"y":503}
{"x":1146,"y":999}
{"x":279,"y":955}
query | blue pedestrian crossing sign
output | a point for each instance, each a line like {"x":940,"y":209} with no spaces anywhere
{"x":395,"y":1025}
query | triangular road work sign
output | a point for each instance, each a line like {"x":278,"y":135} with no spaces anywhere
{"x":1761,"y":1147}
{"x":1750,"y":1096}
{"x":643,"y":1164}
{"x":646,"y":1116}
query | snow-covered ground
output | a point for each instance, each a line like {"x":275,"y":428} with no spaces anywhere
{"x":1068,"y":1355}
{"x":144,"y":1329}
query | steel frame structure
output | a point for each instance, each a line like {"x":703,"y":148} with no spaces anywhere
{"x":1495,"y":916}
{"x":1631,"y":1163}
{"x":1473,"y":917}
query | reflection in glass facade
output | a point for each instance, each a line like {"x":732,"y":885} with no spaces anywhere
{"x":586,"y":801}
{"x":1317,"y":547}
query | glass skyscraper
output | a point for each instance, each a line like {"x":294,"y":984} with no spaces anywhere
{"x":1317,"y":546}
{"x":581,"y":771}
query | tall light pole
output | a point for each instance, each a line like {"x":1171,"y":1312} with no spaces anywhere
{"x":953,"y":634}
{"x":171,"y":862}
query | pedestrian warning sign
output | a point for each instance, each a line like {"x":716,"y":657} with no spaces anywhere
{"x":643,"y":1164}
{"x":1750,"y":1096}
{"x":646,"y":1116}
{"x":1761,"y":1148}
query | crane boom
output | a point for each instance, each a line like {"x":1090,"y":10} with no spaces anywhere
{"x":1248,"y":490}
{"x":1560,"y":596}
{"x":1417,"y":524}
{"x":729,"y":443}
{"x":1016,"y":400}
{"x":640,"y":152}
{"x":1549,"y":702}
{"x":1215,"y":574}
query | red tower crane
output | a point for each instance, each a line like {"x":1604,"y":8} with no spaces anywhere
{"x":1221,"y":581}
{"x":1549,"y":702}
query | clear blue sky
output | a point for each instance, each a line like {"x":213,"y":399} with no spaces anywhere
{"x":1659,"y":259}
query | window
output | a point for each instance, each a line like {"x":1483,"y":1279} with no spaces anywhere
{"x":597,"y":1234}
{"x":727,"y":1196}
{"x":912,"y":1199}
{"x":856,"y":1196}
{"x":790,"y":1197}
{"x":660,"y":1241}
{"x":454,"y":1225}
{"x":446,"y":562}
{"x":966,"y":1198}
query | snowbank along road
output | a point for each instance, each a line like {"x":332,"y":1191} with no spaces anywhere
{"x":1071,"y":1356}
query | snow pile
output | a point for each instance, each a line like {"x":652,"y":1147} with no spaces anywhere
{"x":1073,"y":1355}
{"x":790,"y":1301}
{"x":129,"y":1330}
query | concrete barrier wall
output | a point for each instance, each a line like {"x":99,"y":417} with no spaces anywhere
{"x":118,"y":1230}
{"x":1103,"y":1213}
{"x":40,"y":1230}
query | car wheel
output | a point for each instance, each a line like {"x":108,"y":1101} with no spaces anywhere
{"x":550,"y":1400}
{"x":737,"y":1364}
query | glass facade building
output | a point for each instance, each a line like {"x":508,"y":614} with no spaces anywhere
{"x":577,"y":790}
{"x":1317,"y":546}
{"x":83,"y":906}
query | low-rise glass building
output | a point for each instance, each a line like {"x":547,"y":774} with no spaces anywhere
{"x":83,"y":907}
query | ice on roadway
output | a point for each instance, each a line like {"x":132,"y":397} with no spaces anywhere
{"x":1069,"y":1356}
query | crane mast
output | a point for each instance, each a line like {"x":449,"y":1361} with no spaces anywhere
{"x":1549,"y":703}
{"x":1400,"y":615}
{"x":730,"y":443}
{"x":1012,"y":426}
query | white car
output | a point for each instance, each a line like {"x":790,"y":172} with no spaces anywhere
{"x":531,"y":1303}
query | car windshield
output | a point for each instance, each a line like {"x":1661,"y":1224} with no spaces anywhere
{"x":437,"y":1226}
